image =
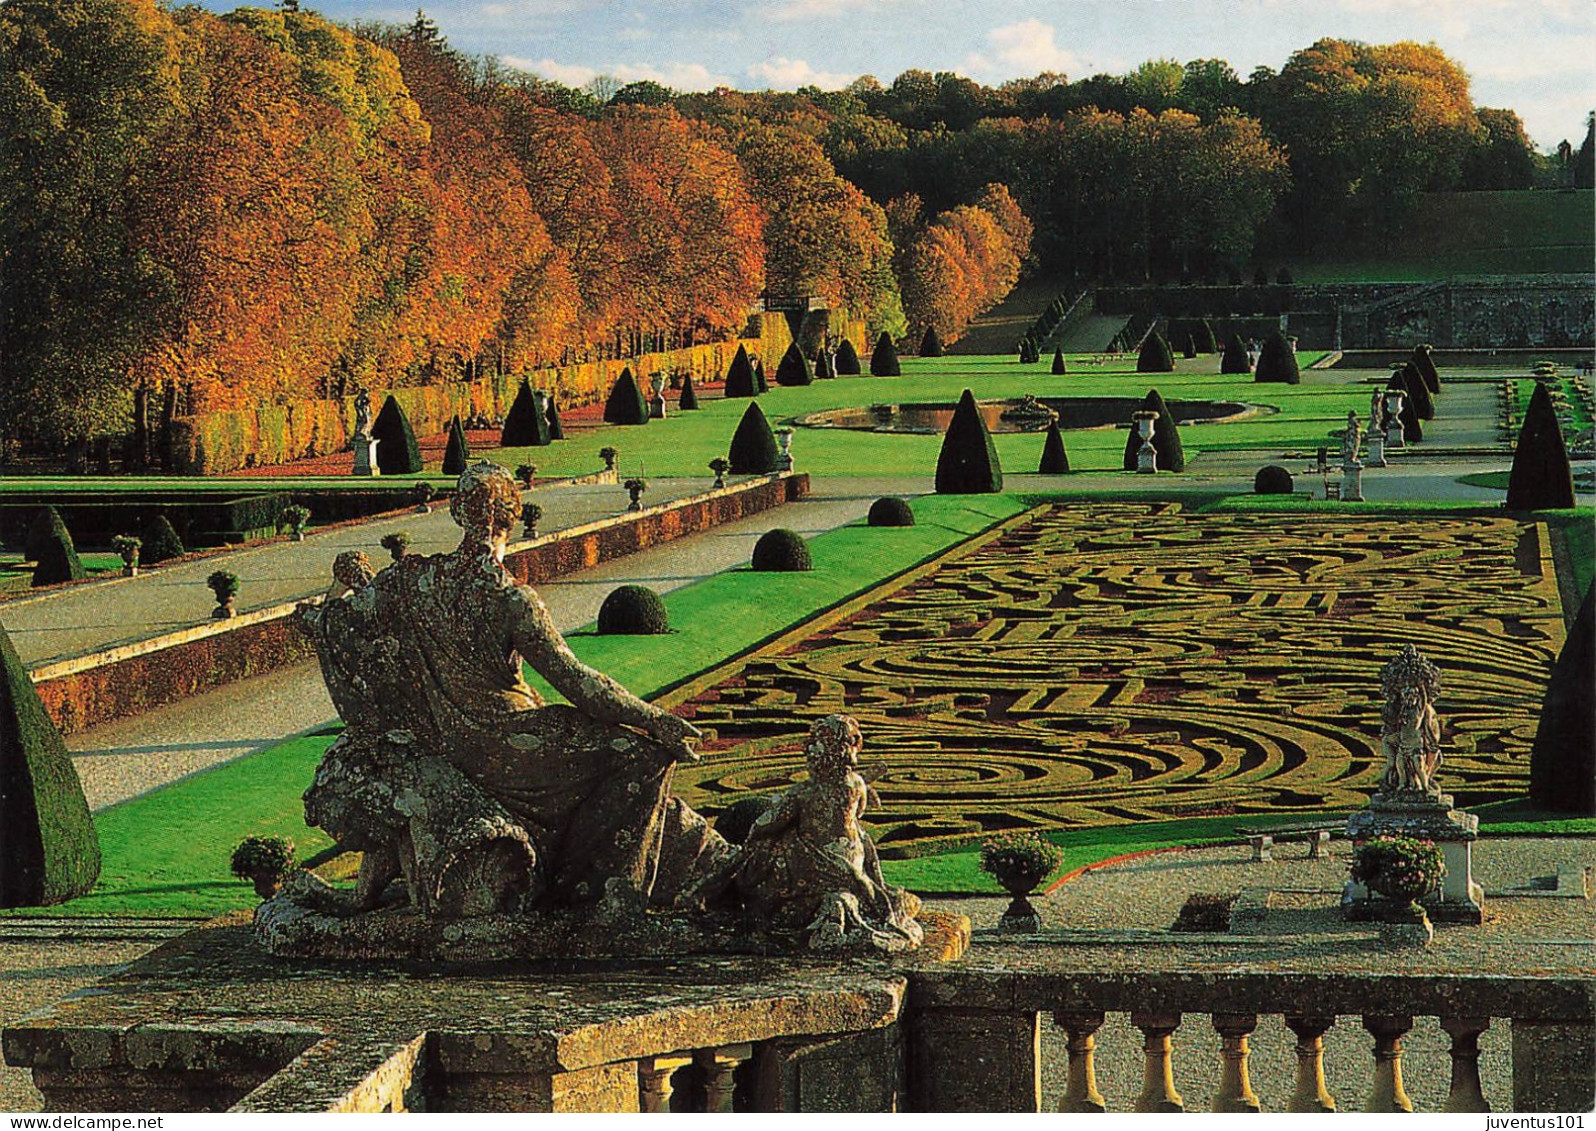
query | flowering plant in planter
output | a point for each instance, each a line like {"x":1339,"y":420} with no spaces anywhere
{"x":128,"y":547}
{"x":1019,"y":862}
{"x":609,"y":456}
{"x":636,"y":486}
{"x":1399,"y":868}
{"x":530,"y":514}
{"x":720,"y":466}
{"x":265,"y":861}
{"x":224,"y":584}
{"x":524,"y":472}
{"x":295,"y":517}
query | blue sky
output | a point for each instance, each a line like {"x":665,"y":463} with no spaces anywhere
{"x":1534,"y":56}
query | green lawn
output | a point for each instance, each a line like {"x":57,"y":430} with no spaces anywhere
{"x":16,"y":575}
{"x":684,"y":443}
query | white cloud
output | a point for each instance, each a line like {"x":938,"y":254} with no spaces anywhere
{"x":678,"y":76}
{"x":780,"y":73}
{"x":565,"y":73}
{"x":1024,"y":49}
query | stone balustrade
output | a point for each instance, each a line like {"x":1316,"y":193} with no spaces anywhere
{"x":1002,"y":1014}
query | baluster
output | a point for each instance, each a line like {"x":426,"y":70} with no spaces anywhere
{"x":654,"y":1081}
{"x":1310,"y":1093}
{"x":1235,"y":1089}
{"x":718,"y":1065}
{"x":1158,"y":1073}
{"x":1465,"y":1093}
{"x":1388,"y":1094}
{"x":1080,"y":1087}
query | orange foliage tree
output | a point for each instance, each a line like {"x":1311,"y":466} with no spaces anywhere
{"x":964,"y":262}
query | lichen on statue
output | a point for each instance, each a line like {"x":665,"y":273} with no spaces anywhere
{"x":454,"y":774}
{"x":1410,"y":735}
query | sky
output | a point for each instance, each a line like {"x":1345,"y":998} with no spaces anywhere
{"x":1537,"y":57}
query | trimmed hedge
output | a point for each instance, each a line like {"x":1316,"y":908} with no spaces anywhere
{"x":626,"y":404}
{"x":884,"y":360}
{"x":457,"y":453}
{"x":689,"y":398}
{"x":1166,"y":437}
{"x":1541,"y":478}
{"x":41,"y":532}
{"x":846,"y":362}
{"x":1563,"y":759}
{"x":1418,"y":391}
{"x":968,"y":462}
{"x":794,"y":368}
{"x":48,"y":850}
{"x":1424,"y":362}
{"x":889,"y":510}
{"x":782,"y":551}
{"x":1058,"y":362}
{"x":556,"y":429}
{"x":760,"y":383}
{"x":740,"y":380}
{"x":823,"y":369}
{"x":1203,"y":337}
{"x":1235,"y":358}
{"x":1155,"y":355}
{"x":931,"y":343}
{"x":1277,"y":363}
{"x":633,"y":610}
{"x":525,"y":426}
{"x":753,"y":445}
{"x":1055,"y":460}
{"x":397,"y":450}
{"x":1273,"y":480}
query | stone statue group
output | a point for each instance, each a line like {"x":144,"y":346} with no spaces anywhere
{"x":454,"y":777}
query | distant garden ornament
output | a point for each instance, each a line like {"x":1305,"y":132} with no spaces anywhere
{"x":1410,"y":734}
{"x":127,"y":548}
{"x":224,"y":584}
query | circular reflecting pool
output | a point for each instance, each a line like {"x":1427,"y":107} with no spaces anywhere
{"x":1028,"y":415}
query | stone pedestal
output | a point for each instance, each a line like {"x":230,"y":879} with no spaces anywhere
{"x":365,"y":449}
{"x":1377,"y":449}
{"x":784,"y":457}
{"x":1351,"y":481}
{"x":1146,"y":455}
{"x":656,"y":406}
{"x":1426,"y":817}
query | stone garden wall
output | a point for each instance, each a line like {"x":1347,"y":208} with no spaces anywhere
{"x":126,"y":681}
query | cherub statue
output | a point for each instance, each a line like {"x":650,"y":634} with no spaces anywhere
{"x":808,"y":866}
{"x":1410,"y":734}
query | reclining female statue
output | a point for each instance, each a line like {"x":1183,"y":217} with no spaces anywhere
{"x":454,"y":773}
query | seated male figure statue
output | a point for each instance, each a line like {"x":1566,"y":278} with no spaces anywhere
{"x":454,"y":773}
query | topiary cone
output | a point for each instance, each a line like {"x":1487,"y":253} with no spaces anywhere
{"x":1058,"y":362}
{"x":1055,"y":460}
{"x":457,"y":452}
{"x":1155,"y":355}
{"x":58,"y":560}
{"x":823,"y":370}
{"x":740,"y":376}
{"x":931,"y":343}
{"x":689,"y":398}
{"x":968,"y":463}
{"x":397,"y":450}
{"x":1541,"y":478}
{"x":760,"y":384}
{"x":1166,"y":437}
{"x":846,"y":362}
{"x":1563,"y":759}
{"x":161,"y":542}
{"x":1418,"y":392}
{"x":753,"y":446}
{"x":884,"y":360}
{"x":1276,"y":361}
{"x":525,"y":426}
{"x":1235,"y":357}
{"x":794,"y":368}
{"x":48,"y":850}
{"x":1424,"y":362}
{"x":1204,"y":337}
{"x":626,"y":404}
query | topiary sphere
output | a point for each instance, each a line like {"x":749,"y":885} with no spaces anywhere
{"x":782,"y":551}
{"x":891,"y":511}
{"x":633,"y":610}
{"x":1272,"y":480}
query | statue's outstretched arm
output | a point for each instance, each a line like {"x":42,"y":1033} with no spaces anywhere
{"x":591,"y":691}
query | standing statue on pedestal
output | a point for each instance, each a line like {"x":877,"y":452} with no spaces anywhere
{"x":1352,"y":440}
{"x":1410,"y":734}
{"x":363,"y":415}
{"x":1377,"y":420}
